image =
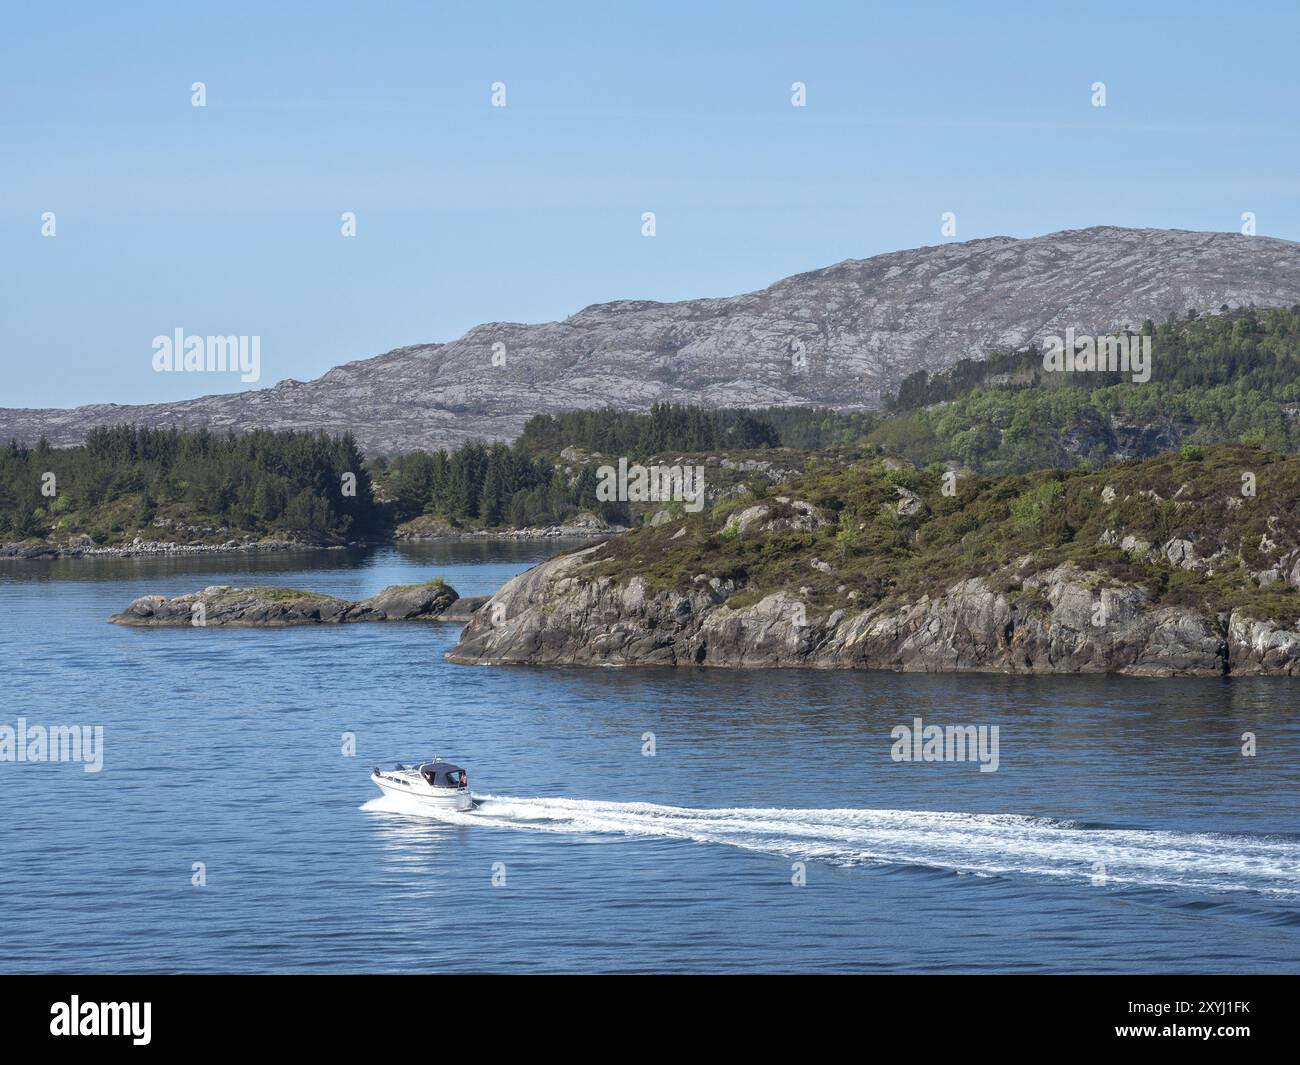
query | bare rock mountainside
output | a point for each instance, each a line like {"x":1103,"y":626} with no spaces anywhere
{"x":842,"y":336}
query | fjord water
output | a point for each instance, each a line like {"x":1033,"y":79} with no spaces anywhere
{"x":1122,"y":832}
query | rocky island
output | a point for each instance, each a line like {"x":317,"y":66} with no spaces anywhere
{"x":269,"y":607}
{"x":1184,"y":564}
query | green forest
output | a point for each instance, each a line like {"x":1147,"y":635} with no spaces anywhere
{"x":525,"y":485}
{"x":490,"y":484}
{"x":674,"y":427}
{"x":309,"y":486}
{"x":1225,"y":378}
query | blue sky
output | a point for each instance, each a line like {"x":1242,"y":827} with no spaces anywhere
{"x":225,"y":219}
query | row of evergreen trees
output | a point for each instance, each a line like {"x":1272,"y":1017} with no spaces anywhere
{"x":298,"y":483}
{"x":310,"y":485}
{"x":1248,"y":350}
{"x":494,"y":484}
{"x":676,"y":427}
{"x":522,"y":485}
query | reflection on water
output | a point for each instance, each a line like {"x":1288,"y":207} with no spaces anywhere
{"x":234,"y":565}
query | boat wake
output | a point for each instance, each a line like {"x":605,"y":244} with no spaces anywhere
{"x":980,"y":844}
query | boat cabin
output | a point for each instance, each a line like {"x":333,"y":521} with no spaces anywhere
{"x":444,"y":775}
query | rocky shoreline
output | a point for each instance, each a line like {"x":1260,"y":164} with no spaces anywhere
{"x":266,"y":607}
{"x":140,"y":548}
{"x":428,"y":528}
{"x":556,"y":614}
{"x":553,"y":532}
{"x":84,"y":547}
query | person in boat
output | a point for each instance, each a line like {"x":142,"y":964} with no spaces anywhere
{"x":440,"y":776}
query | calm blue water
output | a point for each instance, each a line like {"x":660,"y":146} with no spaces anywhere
{"x":223,"y":746}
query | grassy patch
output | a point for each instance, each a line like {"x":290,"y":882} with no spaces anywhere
{"x":432,"y":582}
{"x":271,"y":594}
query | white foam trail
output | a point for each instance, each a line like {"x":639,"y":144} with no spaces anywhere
{"x":986,"y":844}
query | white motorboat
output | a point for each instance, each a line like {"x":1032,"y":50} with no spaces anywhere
{"x":435,"y":784}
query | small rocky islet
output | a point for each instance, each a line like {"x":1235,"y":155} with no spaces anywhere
{"x":274,"y":607}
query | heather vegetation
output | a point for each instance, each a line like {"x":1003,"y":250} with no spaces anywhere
{"x":890,"y":532}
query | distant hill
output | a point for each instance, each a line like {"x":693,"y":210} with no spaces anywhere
{"x":844,"y":336}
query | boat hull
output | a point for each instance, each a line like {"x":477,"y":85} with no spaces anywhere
{"x":423,"y":795}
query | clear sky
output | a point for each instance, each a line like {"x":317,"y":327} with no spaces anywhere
{"x":225,"y":219}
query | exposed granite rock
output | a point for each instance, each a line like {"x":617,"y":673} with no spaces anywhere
{"x":860,"y":326}
{"x":782,"y":513}
{"x":1062,"y":620}
{"x":263,"y":607}
{"x":462,"y":609}
{"x":1181,"y":553}
{"x":910,"y":505}
{"x":1262,"y":647}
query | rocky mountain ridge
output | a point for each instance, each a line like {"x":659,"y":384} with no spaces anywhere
{"x":843,"y":336}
